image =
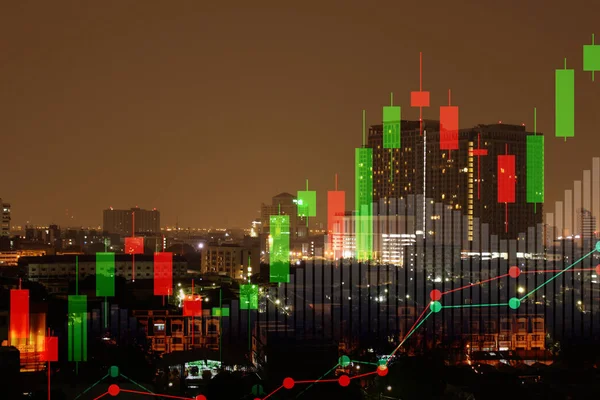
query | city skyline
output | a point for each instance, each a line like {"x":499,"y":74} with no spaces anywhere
{"x":127,"y":117}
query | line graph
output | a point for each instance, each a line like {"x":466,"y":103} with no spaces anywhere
{"x":382,"y":370}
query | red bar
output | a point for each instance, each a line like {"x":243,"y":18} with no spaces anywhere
{"x":134,"y":245}
{"x":506,"y":179}
{"x":19,"y":314}
{"x":50,"y":353}
{"x":336,"y":207}
{"x":419,"y":99}
{"x":163,"y":274}
{"x":192,"y":306}
{"x":449,"y":128}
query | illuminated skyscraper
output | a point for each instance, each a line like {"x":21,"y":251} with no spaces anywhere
{"x":5,"y":227}
{"x":463,"y":179}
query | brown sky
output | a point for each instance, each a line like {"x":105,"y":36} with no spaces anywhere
{"x":205,"y":110}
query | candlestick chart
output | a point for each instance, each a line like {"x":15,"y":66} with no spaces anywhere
{"x":446,"y":248}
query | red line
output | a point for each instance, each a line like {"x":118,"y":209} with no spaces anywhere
{"x":272,"y":393}
{"x":420,"y":71}
{"x":155,"y":394}
{"x":48,"y":373}
{"x":506,"y":224}
{"x":478,"y":168}
{"x":449,"y":97}
{"x":408,"y":333}
{"x":361,"y":375}
{"x":474,"y":284}
{"x":102,"y":395}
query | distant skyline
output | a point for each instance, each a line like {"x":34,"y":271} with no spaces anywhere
{"x":205,"y":110}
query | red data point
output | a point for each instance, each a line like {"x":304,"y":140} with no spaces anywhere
{"x":288,"y":383}
{"x":514,"y":272}
{"x":113,"y":390}
{"x":201,"y":397}
{"x":382,"y":370}
{"x":435,"y":295}
{"x":344,"y":380}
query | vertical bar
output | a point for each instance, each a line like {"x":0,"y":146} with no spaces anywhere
{"x":77,"y":328}
{"x":364,"y":202}
{"x":535,"y":169}
{"x":596,"y":187}
{"x":336,"y":207}
{"x":568,"y":213}
{"x":565,"y":103}
{"x":506,"y":179}
{"x":307,"y":203}
{"x":391,"y":127}
{"x":448,"y":128}
{"x":19,"y":316}
{"x":163,"y":274}
{"x":105,"y":274}
{"x":577,"y":208}
{"x":279,"y":258}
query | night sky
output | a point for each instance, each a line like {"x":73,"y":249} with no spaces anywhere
{"x":205,"y":110}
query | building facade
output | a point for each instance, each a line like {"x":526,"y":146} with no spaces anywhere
{"x":225,"y":259}
{"x":56,"y":271}
{"x":147,"y":222}
{"x":5,"y":224}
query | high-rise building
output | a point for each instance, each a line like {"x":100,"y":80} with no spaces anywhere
{"x":147,"y":222}
{"x":5,"y":227}
{"x":464,"y":179}
{"x":283,"y":204}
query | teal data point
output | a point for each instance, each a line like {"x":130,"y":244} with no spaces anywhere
{"x":435,"y":306}
{"x":514,"y":303}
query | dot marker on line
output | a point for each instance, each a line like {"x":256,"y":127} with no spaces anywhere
{"x":435,"y":306}
{"x":514,"y":303}
{"x":288,"y":383}
{"x":113,"y":371}
{"x":114,"y":390}
{"x":598,"y":246}
{"x":200,"y":397}
{"x":382,"y":370}
{"x":435,"y":295}
{"x":514,"y":272}
{"x":344,"y":361}
{"x":344,"y":380}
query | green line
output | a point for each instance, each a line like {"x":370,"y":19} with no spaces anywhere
{"x":105,"y":312}
{"x":414,"y":329}
{"x":557,"y":275}
{"x":392,"y":93}
{"x":363,"y":362}
{"x":363,"y":129}
{"x":76,"y":274}
{"x":135,"y":383}
{"x":90,"y":388}
{"x":534,"y":120}
{"x":322,"y":376}
{"x":476,"y":305}
{"x":221,"y":326}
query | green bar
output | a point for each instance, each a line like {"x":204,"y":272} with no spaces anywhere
{"x":279,"y":258}
{"x":105,"y":274}
{"x":565,"y":103}
{"x":364,"y":203}
{"x":77,"y":327}
{"x":591,"y":57}
{"x":391,"y":127}
{"x":248,"y":297}
{"x":307,"y":203}
{"x":220,"y":311}
{"x":535,"y":169}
